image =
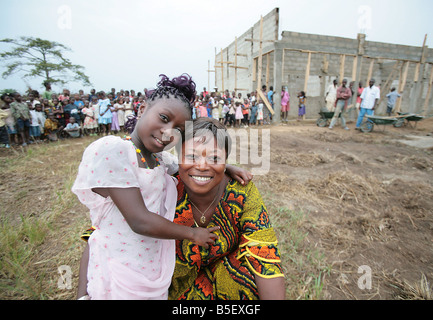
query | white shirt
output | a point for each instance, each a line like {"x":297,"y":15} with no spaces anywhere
{"x":368,"y":96}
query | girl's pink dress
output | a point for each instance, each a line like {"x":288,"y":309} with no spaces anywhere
{"x":122,"y":263}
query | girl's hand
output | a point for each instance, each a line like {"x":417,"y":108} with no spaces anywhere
{"x":204,"y":236}
{"x":239,"y":174}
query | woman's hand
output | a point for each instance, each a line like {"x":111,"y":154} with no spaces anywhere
{"x":239,"y":174}
{"x":204,"y":236}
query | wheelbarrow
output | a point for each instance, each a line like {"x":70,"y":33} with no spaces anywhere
{"x":406,"y":118}
{"x":323,"y":120}
{"x":368,"y":125}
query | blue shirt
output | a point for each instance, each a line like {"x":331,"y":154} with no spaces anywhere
{"x":392,"y":97}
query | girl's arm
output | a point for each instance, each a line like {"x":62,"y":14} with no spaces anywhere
{"x":82,"y":276}
{"x":239,"y":174}
{"x":270,"y":288}
{"x":130,"y":203}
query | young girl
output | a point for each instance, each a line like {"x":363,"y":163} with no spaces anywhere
{"x":260,"y":107}
{"x":302,"y":100}
{"x":105,"y":116}
{"x":90,"y":123}
{"x":239,"y":115}
{"x":132,"y":199}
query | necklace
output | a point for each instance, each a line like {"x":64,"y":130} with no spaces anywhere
{"x":143,"y":159}
{"x":203,"y":218}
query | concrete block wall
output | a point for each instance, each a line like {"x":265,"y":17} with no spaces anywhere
{"x":293,"y":69}
{"x":249,"y":48}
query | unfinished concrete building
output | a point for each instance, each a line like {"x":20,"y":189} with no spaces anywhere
{"x":310,"y":62}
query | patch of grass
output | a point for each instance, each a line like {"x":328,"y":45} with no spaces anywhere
{"x":303,"y":264}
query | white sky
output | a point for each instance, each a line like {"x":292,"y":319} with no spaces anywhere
{"x":126,"y":44}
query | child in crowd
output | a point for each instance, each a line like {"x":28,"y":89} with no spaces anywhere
{"x":260,"y":107}
{"x":129,"y":109}
{"x":302,"y":100}
{"x":21,"y":113}
{"x":115,"y":119}
{"x":37,"y":122}
{"x":9,"y":120}
{"x":238,"y":114}
{"x":132,"y":201}
{"x":245,"y":112}
{"x":72,"y":128}
{"x":105,"y":116}
{"x":90,"y":123}
{"x":253,"y":114}
{"x":121,"y":113}
{"x":4,"y":114}
{"x":52,"y":127}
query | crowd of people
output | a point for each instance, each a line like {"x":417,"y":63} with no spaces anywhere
{"x":48,"y":116}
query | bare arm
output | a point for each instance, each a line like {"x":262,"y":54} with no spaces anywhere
{"x":130,"y":203}
{"x":82,"y":277}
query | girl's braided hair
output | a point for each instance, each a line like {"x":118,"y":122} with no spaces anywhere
{"x":182,"y":87}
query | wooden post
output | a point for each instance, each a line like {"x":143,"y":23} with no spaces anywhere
{"x":236,"y":65}
{"x":259,"y":78}
{"x":208,"y":74}
{"x":342,"y":60}
{"x":307,"y":72}
{"x":427,"y":97}
{"x":355,"y":64}
{"x":370,"y":71}
{"x":222,"y":62}
{"x":384,"y":90}
{"x":260,"y":66}
{"x":401,"y":85}
{"x":268,"y":61}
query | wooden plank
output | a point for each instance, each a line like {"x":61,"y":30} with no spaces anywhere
{"x":354,"y":66}
{"x":427,"y":97}
{"x":342,"y":60}
{"x":307,"y":72}
{"x":265,"y":101}
{"x":268,"y":61}
{"x":401,"y":86}
{"x":370,"y":71}
{"x":259,"y":78}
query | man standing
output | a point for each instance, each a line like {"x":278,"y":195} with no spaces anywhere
{"x":331,"y":96}
{"x":369,"y":99}
{"x":392,"y":98}
{"x":343,"y":96}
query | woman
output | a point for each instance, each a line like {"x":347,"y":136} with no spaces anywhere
{"x":244,"y":263}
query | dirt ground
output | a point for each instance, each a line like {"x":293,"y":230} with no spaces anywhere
{"x":368,"y":198}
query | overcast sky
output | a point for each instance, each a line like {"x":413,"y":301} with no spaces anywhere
{"x":126,"y":44}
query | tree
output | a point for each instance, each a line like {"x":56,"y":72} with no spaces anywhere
{"x":36,"y":57}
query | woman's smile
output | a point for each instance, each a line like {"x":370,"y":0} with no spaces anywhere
{"x":201,"y":180}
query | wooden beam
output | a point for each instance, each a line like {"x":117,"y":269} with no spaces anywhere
{"x":307,"y":72}
{"x":265,"y":101}
{"x":370,"y":70}
{"x":427,"y":97}
{"x":342,"y":60}
{"x":208,"y":74}
{"x":401,"y":86}
{"x":354,"y":66}
{"x":268,"y":61}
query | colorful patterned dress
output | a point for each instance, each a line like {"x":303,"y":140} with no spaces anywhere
{"x":247,"y":247}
